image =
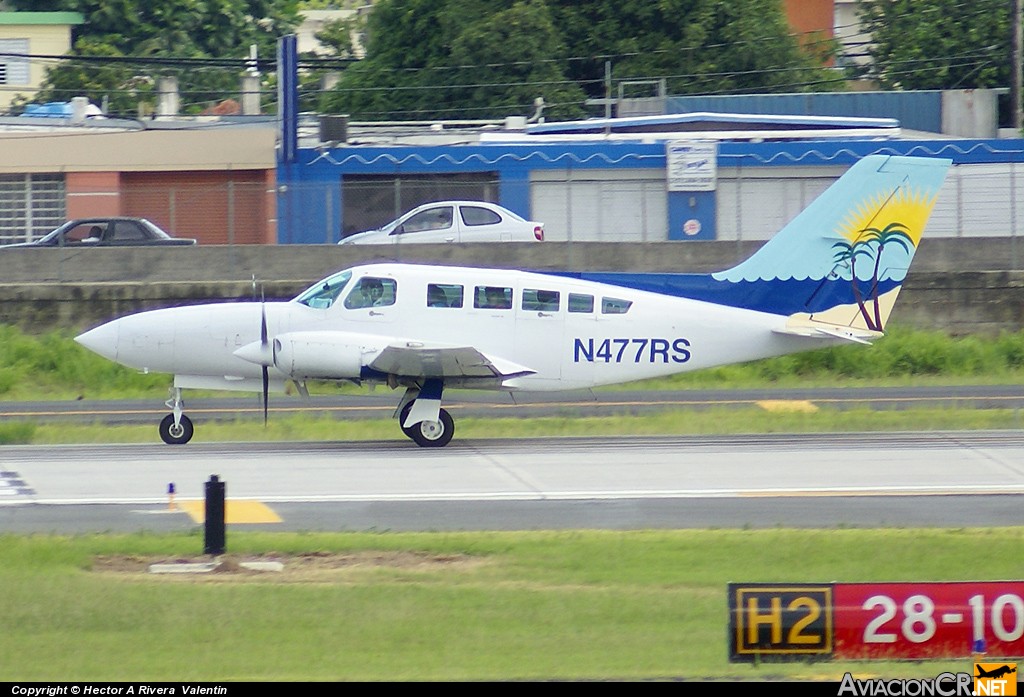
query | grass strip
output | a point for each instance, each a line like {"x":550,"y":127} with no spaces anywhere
{"x":572,"y":605}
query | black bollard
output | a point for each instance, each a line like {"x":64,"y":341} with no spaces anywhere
{"x":214,"y":542}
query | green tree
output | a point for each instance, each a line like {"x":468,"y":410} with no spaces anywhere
{"x":697,"y":46}
{"x":463,"y":58}
{"x":182,"y":38}
{"x":938,"y":44}
{"x":503,"y":65}
{"x":456,"y":59}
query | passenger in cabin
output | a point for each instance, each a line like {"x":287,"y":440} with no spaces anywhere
{"x":496,"y":299}
{"x":547,"y":300}
{"x":436,"y":296}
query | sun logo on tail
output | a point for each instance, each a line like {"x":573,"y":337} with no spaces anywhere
{"x":895,"y":222}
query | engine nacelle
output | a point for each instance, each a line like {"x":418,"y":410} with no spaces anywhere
{"x":319,"y":355}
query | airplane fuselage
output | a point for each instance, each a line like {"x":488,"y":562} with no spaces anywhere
{"x":567,"y":333}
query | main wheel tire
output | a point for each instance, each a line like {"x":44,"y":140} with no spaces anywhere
{"x":176,"y":435}
{"x":411,"y":430}
{"x":434,"y":434}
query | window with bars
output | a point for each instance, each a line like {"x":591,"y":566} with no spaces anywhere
{"x":14,"y":70}
{"x":30,"y":206}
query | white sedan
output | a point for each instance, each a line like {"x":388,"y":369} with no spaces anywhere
{"x":454,"y":221}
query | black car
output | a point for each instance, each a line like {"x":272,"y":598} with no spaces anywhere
{"x":106,"y":232}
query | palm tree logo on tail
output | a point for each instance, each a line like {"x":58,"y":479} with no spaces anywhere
{"x":869,"y":245}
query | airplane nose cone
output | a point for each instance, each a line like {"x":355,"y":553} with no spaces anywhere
{"x":101,"y":340}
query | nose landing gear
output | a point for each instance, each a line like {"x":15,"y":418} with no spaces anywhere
{"x":176,"y":428}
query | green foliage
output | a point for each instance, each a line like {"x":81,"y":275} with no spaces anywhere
{"x":487,"y":58}
{"x":700,"y":46}
{"x":456,"y":59}
{"x":17,"y":432}
{"x":213,"y":29}
{"x":902,"y":354}
{"x":942,"y":44}
{"x":35,"y":366}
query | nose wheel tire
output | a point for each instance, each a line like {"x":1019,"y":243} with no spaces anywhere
{"x":432,"y":434}
{"x":176,"y":434}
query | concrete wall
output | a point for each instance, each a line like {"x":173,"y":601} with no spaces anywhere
{"x":957,"y":285}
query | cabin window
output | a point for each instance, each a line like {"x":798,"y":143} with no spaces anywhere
{"x":615,"y":306}
{"x":372,"y":291}
{"x":540,"y":300}
{"x":578,"y":302}
{"x":444,"y":295}
{"x":323,"y":294}
{"x":493,"y":298}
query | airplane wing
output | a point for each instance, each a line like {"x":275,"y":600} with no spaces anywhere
{"x":337,"y":355}
{"x":410,"y":360}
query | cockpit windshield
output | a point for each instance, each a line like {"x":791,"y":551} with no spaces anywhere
{"x":322,"y":295}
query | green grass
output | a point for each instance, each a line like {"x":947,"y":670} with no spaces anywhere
{"x":52,"y":366}
{"x":495,"y":606}
{"x":673,"y":422}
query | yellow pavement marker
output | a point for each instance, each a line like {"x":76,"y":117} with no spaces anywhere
{"x":235,"y":512}
{"x":788,"y":405}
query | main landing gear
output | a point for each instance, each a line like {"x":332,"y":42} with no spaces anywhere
{"x":421,"y":417}
{"x":176,"y":428}
{"x":428,"y":434}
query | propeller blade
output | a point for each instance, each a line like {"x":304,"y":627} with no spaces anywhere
{"x":263,"y":320}
{"x":263,"y":345}
{"x":266,"y":393}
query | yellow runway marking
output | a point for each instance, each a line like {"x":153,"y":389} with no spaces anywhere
{"x":787,"y":405}
{"x":235,"y":512}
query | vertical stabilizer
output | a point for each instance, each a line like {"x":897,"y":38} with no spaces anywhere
{"x":854,"y":243}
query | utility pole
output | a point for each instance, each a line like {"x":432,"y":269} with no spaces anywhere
{"x":1016,"y":59}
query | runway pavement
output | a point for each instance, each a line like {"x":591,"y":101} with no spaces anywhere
{"x":957,"y":479}
{"x":381,"y":403}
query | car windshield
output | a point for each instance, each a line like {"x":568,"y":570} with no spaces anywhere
{"x":323,"y":294}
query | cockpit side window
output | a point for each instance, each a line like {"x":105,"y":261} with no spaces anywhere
{"x":372,"y":291}
{"x":322,"y":295}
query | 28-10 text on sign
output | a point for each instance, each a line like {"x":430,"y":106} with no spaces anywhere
{"x":917,"y":621}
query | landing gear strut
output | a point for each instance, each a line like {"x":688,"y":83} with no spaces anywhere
{"x":176,"y":428}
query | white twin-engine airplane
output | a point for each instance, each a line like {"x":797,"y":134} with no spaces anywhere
{"x":830,"y":276}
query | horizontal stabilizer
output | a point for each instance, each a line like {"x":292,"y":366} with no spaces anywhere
{"x":801,"y":325}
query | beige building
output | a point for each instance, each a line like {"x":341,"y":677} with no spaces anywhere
{"x":201,"y":178}
{"x":30,"y":34}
